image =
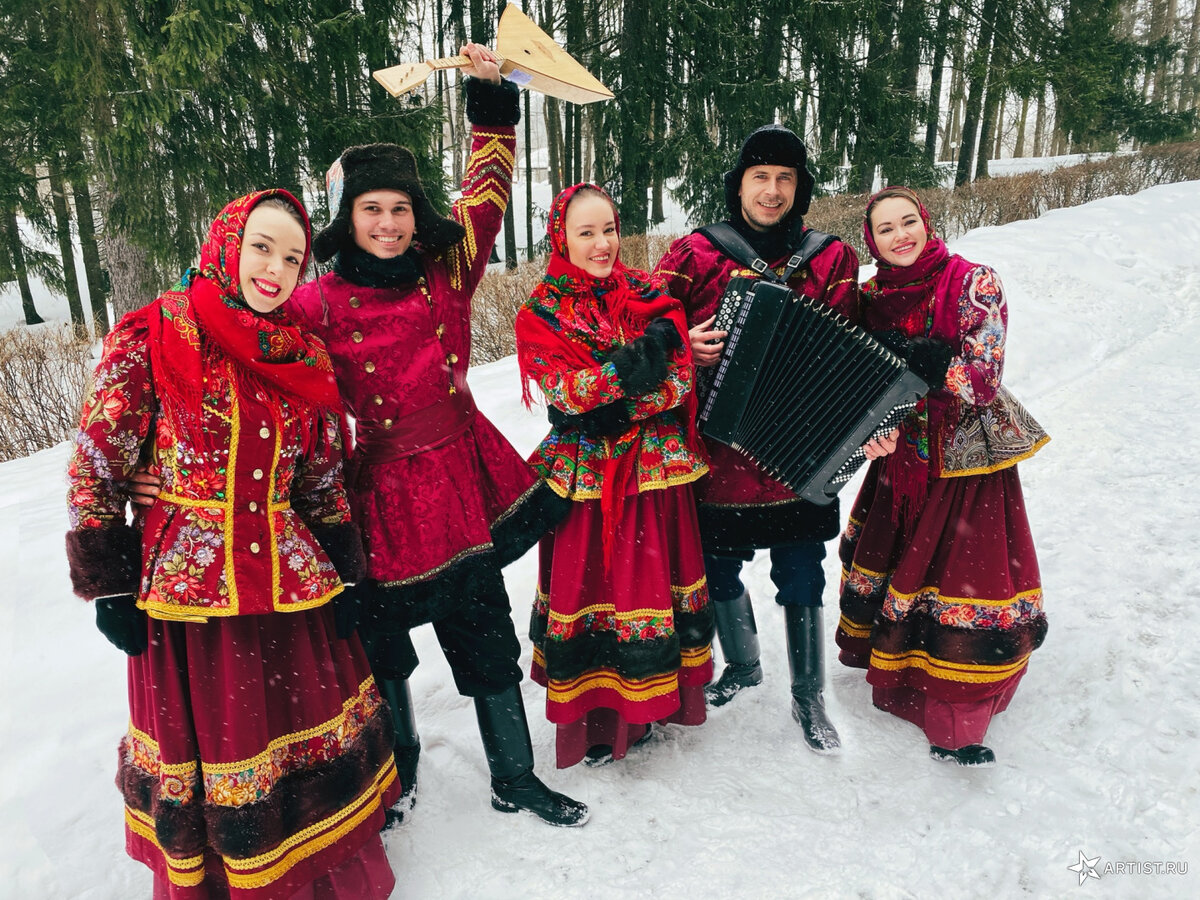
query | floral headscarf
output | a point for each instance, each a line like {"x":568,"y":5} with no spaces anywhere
{"x":206,"y":314}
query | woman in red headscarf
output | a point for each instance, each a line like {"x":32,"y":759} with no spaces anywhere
{"x":622,"y":627}
{"x":258,"y":759}
{"x":941,"y":597}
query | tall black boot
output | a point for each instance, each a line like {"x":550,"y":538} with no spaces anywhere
{"x":407,"y":744}
{"x":505,"y":733}
{"x":738,"y":634}
{"x":806,"y":658}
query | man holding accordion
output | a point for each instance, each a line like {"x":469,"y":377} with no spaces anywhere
{"x":742,"y":508}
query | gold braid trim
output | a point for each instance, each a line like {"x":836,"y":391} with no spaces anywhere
{"x":968,"y":673}
{"x":646,"y":689}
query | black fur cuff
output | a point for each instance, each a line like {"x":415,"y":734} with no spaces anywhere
{"x":104,"y":561}
{"x":343,"y":545}
{"x":492,"y":104}
{"x":641,"y":365}
{"x":608,"y":420}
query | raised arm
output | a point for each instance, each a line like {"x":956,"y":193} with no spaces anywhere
{"x":493,"y":108}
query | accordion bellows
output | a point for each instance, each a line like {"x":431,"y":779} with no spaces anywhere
{"x":799,"y":389}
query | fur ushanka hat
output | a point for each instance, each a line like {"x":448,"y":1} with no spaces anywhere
{"x":771,"y":145}
{"x":379,"y":167}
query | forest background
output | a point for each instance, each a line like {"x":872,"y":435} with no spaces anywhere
{"x":126,"y":124}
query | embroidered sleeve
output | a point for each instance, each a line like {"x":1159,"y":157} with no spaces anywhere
{"x":680,"y":376}
{"x":115,"y":423}
{"x":319,"y":490}
{"x":480,"y":209}
{"x":577,"y":391}
{"x":974,"y":374}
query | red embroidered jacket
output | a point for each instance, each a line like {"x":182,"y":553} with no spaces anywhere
{"x":229,"y":534}
{"x":697,"y":273}
{"x":401,"y":357}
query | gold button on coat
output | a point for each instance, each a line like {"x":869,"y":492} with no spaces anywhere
{"x":264,"y":432}
{"x":369,"y":366}
{"x":388,"y":423}
{"x":253,"y":506}
{"x":441,"y":329}
{"x":355,"y":302}
{"x":257,"y":474}
{"x":377,"y":400}
{"x":452,"y":358}
{"x":254,"y":548}
{"x":356,"y":337}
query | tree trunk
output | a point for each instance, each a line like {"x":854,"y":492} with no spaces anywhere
{"x":977,"y":80}
{"x":957,"y":88}
{"x":554,"y":145}
{"x":934,"y":110}
{"x":62,"y":227}
{"x":1019,"y":150}
{"x":868,"y":146}
{"x":528,"y":182}
{"x":1039,"y":124}
{"x":16,"y":256}
{"x":1189,"y":86}
{"x":97,"y":276}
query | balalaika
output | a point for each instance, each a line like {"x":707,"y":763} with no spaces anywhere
{"x":799,"y":389}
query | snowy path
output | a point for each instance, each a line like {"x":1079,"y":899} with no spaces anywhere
{"x":1099,"y":752}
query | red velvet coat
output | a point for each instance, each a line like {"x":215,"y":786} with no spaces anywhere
{"x":697,"y":273}
{"x":433,"y":475}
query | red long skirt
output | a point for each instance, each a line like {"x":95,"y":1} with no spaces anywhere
{"x":618,"y":647}
{"x":945,"y":619}
{"x":258,"y":761}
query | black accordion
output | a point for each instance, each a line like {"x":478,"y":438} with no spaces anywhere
{"x":799,"y":389}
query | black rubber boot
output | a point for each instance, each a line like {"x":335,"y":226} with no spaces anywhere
{"x":808,"y":677}
{"x":970,"y":755}
{"x":407,"y":745}
{"x":738,"y":636}
{"x":505,"y":733}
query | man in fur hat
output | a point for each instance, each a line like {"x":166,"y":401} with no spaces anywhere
{"x":742,"y":508}
{"x":442,"y":498}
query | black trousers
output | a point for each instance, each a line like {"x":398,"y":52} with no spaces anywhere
{"x":477,"y":638}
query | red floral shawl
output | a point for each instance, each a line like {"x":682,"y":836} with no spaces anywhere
{"x":578,"y":320}
{"x":205,"y":315}
{"x":909,"y":299}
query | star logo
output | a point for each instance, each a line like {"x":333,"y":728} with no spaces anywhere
{"x":1086,"y":868}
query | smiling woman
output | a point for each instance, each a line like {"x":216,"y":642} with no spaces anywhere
{"x":941,"y":594}
{"x":621,"y":626}
{"x":274,"y":246}
{"x":258,"y":759}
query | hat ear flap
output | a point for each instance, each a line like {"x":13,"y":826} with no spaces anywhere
{"x":332,"y":238}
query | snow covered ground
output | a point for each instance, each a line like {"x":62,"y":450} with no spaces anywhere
{"x":1098,"y":754}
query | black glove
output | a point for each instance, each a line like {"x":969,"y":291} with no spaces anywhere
{"x":929,"y":358}
{"x":608,"y":420}
{"x":894,"y":340}
{"x":347,"y":610}
{"x":641,"y":364}
{"x":125,"y":626}
{"x":666,"y":332}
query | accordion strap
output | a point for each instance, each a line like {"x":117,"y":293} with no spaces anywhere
{"x":725,"y":238}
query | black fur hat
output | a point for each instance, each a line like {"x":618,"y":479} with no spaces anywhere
{"x":771,"y":145}
{"x":375,"y":167}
